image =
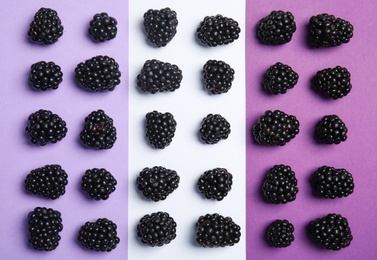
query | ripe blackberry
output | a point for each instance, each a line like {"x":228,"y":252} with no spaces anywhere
{"x":217,"y":76}
{"x":333,"y":82}
{"x":276,"y":128}
{"x":160,"y":26}
{"x":158,"y":76}
{"x":44,"y":225}
{"x":103,"y":27}
{"x":279,"y":78}
{"x":280,"y":233}
{"x":215,"y":184}
{"x":218,"y":30}
{"x":45,"y":127}
{"x":280,"y":185}
{"x":331,"y":130}
{"x":100,"y":235}
{"x":160,"y":128}
{"x":98,"y":74}
{"x":156,"y":229}
{"x":327,"y":31}
{"x":48,"y":181}
{"x":214,"y":128}
{"x":157,"y":183}
{"x":46,"y":27}
{"x":277,"y":28}
{"x":99,"y":131}
{"x":332,"y":183}
{"x":331,"y":232}
{"x":98,"y":183}
{"x":45,"y":75}
{"x":215,"y":230}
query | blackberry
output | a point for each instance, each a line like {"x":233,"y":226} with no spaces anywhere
{"x":48,"y":181}
{"x":332,"y":183}
{"x":156,"y":229}
{"x":327,"y":31}
{"x":280,"y":185}
{"x":99,"y":131}
{"x":277,"y":28}
{"x":333,"y":82}
{"x":45,"y":127}
{"x":217,"y":76}
{"x":98,"y":183}
{"x":160,"y":128}
{"x":276,"y":128}
{"x":214,"y":128}
{"x":279,"y":78}
{"x":331,"y":130}
{"x":160,"y":26}
{"x":331,"y":232}
{"x":218,"y":30}
{"x":98,"y":74}
{"x":215,"y":184}
{"x":158,"y":76}
{"x":44,"y":225}
{"x":46,"y":27}
{"x":280,"y":233}
{"x":215,"y":230}
{"x":100,"y":235}
{"x":157,"y":183}
{"x":103,"y":27}
{"x":45,"y":75}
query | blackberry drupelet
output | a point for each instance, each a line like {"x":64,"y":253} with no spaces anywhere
{"x":157,"y":183}
{"x":100,"y":73}
{"x":214,"y":128}
{"x":215,"y":184}
{"x":45,"y":75}
{"x":218,"y":30}
{"x":331,"y":130}
{"x":280,"y":233}
{"x":156,"y":229}
{"x":279,"y":78}
{"x":45,"y":127}
{"x":44,"y":225}
{"x":98,"y":183}
{"x":103,"y":27}
{"x":276,"y":128}
{"x":46,"y":27}
{"x":217,"y":76}
{"x":160,"y":26}
{"x":331,"y":232}
{"x":160,"y":128}
{"x":277,"y":28}
{"x":99,"y":131}
{"x":333,"y":82}
{"x":215,"y":230}
{"x":100,"y":235}
{"x":158,"y":76}
{"x":48,"y":181}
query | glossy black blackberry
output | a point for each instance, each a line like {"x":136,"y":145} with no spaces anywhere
{"x":280,"y":233}
{"x":160,"y":128}
{"x":333,"y":82}
{"x":218,"y":30}
{"x":214,"y":128}
{"x":215,"y":184}
{"x":158,"y":76}
{"x":98,"y":74}
{"x":48,"y":181}
{"x":331,"y":130}
{"x":277,"y":28}
{"x":45,"y":75}
{"x":331,"y":232}
{"x":98,"y":183}
{"x":327,"y":31}
{"x":99,"y":131}
{"x":44,"y":225}
{"x":276,"y":128}
{"x":103,"y":27}
{"x":156,"y":229}
{"x":279,"y":78}
{"x":332,"y":183}
{"x":217,"y":76}
{"x":45,"y":127}
{"x":100,"y":235}
{"x":160,"y":26}
{"x":46,"y":27}
{"x":215,"y":230}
